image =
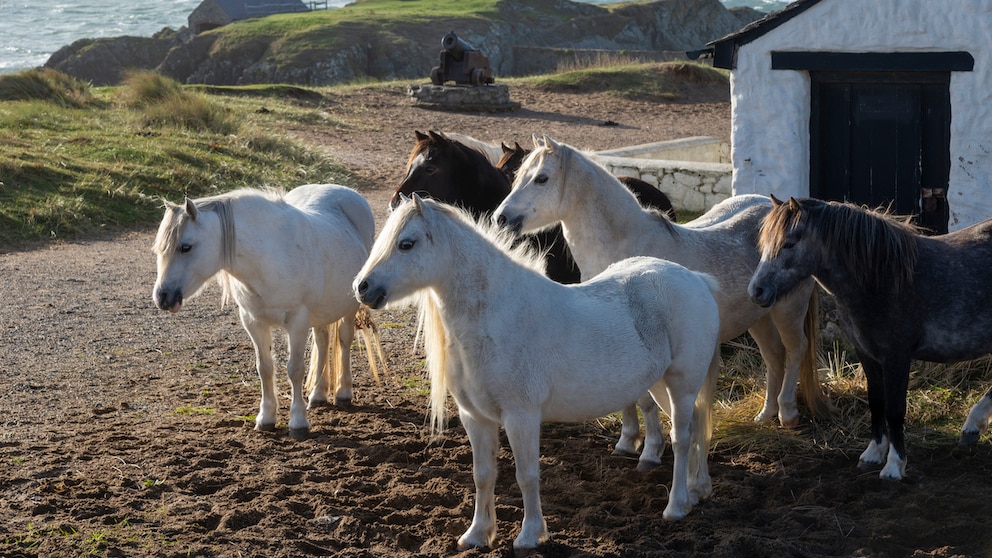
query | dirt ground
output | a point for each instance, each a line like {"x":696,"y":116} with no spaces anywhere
{"x":127,"y":431}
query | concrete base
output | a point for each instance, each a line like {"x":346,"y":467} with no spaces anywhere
{"x":463,"y":98}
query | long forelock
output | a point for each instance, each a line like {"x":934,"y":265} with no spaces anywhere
{"x":171,"y":229}
{"x":422,"y":146}
{"x":174,"y":223}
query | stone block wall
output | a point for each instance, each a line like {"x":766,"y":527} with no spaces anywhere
{"x":695,"y":173}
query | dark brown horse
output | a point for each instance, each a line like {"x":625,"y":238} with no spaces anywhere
{"x":901,"y":296}
{"x":451,"y":172}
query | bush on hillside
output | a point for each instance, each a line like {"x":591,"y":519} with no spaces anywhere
{"x":163,"y":101}
{"x":45,"y":84}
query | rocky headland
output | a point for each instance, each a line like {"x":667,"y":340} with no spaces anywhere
{"x":524,"y":37}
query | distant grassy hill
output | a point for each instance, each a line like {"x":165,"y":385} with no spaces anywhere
{"x":372,"y":40}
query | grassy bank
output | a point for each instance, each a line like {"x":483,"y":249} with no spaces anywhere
{"x":75,"y":161}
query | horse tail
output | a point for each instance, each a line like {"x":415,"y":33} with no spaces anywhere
{"x":702,"y":422}
{"x":809,"y":377}
{"x":312,"y":372}
{"x":365,"y":325}
{"x":435,"y":345}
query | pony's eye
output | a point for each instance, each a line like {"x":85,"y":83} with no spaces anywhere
{"x":541,"y":178}
{"x":430,"y":169}
{"x":406,"y":244}
{"x":183,"y":248}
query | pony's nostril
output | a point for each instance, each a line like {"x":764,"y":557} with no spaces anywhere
{"x":501,"y":220}
{"x":363,"y":287}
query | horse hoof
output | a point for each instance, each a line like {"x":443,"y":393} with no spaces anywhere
{"x":789,"y":423}
{"x":265,"y":427}
{"x":624,"y":453}
{"x":969,"y":438}
{"x":645,"y":466}
{"x":344,"y":403}
{"x":867,"y":466}
{"x":765,"y":417}
{"x":315,"y":403}
{"x":299,"y":433}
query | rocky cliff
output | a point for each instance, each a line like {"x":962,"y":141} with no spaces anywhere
{"x":357,"y":51}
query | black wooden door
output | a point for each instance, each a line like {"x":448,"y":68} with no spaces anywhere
{"x":882,"y":139}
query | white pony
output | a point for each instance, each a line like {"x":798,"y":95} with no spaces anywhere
{"x":287,"y":261}
{"x":602,"y":223}
{"x":514,"y":348}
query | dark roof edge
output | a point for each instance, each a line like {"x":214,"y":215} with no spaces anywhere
{"x":725,"y":48}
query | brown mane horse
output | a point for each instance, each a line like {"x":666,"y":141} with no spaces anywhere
{"x":901,"y":295}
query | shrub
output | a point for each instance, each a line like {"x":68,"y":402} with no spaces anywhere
{"x":45,"y":84}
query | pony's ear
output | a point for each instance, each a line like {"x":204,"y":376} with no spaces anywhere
{"x":551,"y":144}
{"x":775,"y":201}
{"x":191,"y":209}
{"x":506,"y":148}
{"x":419,"y":135}
{"x":418,"y":202}
{"x":537,"y":141}
{"x":438,"y":138}
{"x":793,"y":204}
{"x":516,"y":147}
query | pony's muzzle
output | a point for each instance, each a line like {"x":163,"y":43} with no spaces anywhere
{"x":762,"y":296}
{"x":374,"y":298}
{"x":513,"y":224}
{"x":165,"y":299}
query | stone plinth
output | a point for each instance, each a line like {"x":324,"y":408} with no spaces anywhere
{"x":463,"y":98}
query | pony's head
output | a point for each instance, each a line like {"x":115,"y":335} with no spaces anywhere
{"x":800,"y":237}
{"x":535,"y":198}
{"x":451,"y":172}
{"x":509,"y":163}
{"x":195,"y":241}
{"x":404,"y":257}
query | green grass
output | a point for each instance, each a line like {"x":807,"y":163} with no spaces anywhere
{"x":72,"y":170}
{"x":657,"y":81}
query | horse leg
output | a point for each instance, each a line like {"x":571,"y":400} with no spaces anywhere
{"x":484,"y":439}
{"x":523,"y":432}
{"x":878,"y":447}
{"x":978,"y":420}
{"x":318,"y":375}
{"x":896,"y":371}
{"x":683,"y":400}
{"x":796,"y":318}
{"x":630,"y":432}
{"x":297,"y":329}
{"x":654,"y":436}
{"x":773,"y":353}
{"x":261,"y":337}
{"x":789,"y":323}
{"x":345,"y":334}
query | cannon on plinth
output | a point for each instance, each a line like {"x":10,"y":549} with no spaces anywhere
{"x":461,"y":63}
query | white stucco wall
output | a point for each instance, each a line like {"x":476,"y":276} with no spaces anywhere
{"x":771,"y":108}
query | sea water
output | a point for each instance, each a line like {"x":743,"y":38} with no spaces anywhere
{"x":32,"y":30}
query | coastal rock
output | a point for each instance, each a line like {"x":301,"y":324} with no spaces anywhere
{"x":655,"y":31}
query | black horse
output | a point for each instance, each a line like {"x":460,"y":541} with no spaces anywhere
{"x":901,"y":295}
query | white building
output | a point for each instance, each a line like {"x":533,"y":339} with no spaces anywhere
{"x":872,"y":101}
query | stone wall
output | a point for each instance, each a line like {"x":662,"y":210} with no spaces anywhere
{"x":694,"y":173}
